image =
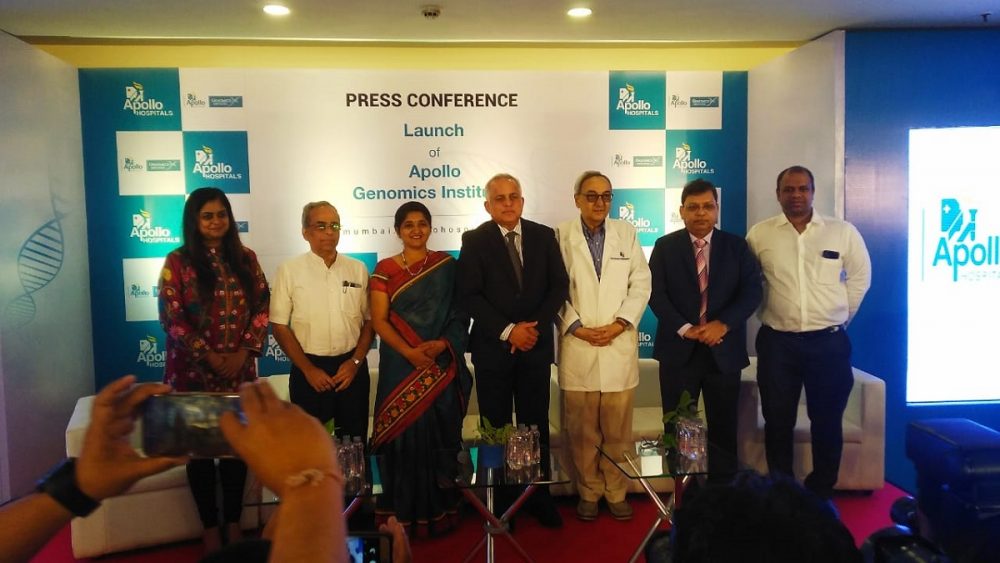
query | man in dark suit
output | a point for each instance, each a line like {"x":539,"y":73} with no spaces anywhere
{"x":512,"y":280}
{"x":706,"y":283}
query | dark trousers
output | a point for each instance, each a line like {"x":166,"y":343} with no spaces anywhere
{"x":819,"y":361}
{"x":201,"y":479}
{"x":348,"y":408}
{"x":722,"y":390}
{"x":524,"y":388}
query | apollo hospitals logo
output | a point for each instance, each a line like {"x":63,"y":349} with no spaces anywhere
{"x":626,"y":212}
{"x":206,"y":165}
{"x":131,"y":165}
{"x":148,"y":233}
{"x":630,"y":105}
{"x":957,"y":247}
{"x":193,"y":101}
{"x":274,"y":351}
{"x":138,"y":291}
{"x":138,"y":104}
{"x":687,"y":164}
{"x":150,"y":354}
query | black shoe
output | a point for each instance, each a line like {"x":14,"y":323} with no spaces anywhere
{"x":546,"y":514}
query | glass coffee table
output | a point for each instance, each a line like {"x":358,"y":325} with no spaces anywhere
{"x":462,"y":470}
{"x":647,"y":459}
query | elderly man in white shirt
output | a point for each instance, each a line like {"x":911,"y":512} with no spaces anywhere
{"x":320,"y":318}
{"x":816,"y":271}
{"x":598,"y":346}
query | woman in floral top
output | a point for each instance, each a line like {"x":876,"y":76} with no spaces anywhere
{"x":213,"y":307}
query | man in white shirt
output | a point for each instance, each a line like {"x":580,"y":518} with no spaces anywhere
{"x":817,"y":271}
{"x":598,"y":343}
{"x":320,"y":318}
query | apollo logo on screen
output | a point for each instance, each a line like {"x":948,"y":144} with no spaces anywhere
{"x":957,"y":248}
{"x":217,"y":158}
{"x":688,"y":164}
{"x":636,"y":100}
{"x":139,"y":104}
{"x":150,"y":354}
{"x":146,"y":232}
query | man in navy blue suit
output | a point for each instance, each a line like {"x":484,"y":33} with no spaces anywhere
{"x":512,"y":281}
{"x":706,"y":283}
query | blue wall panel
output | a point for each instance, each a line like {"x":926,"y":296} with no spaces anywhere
{"x":897,"y":81}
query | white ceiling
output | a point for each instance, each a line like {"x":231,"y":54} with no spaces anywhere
{"x":480,"y":20}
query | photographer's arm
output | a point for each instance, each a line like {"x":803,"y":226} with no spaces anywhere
{"x":293,"y":456}
{"x":107,"y":466}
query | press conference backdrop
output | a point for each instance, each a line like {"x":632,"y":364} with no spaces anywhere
{"x":368,"y":141}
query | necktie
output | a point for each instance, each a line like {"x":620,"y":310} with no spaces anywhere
{"x":701,"y":265}
{"x":515,"y":258}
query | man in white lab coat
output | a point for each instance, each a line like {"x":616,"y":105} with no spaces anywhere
{"x":598,"y":345}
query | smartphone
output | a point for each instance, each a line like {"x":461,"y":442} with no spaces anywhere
{"x":369,"y":547}
{"x":187,"y":424}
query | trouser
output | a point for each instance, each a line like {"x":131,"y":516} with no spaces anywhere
{"x":820,"y":362}
{"x":700,"y":375}
{"x":526,"y":388}
{"x":201,"y":479}
{"x":348,"y":408}
{"x":592,"y":419}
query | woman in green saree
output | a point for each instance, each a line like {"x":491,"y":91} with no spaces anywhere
{"x":424,"y":383}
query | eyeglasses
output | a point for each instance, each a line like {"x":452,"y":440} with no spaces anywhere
{"x":513,"y":198}
{"x":323,"y":227}
{"x":706,"y":207}
{"x":592,"y":197}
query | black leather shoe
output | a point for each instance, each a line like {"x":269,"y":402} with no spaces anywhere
{"x":547,"y":514}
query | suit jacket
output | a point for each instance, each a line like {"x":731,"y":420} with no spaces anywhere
{"x":622,"y":292}
{"x":734,"y":292}
{"x":488,"y":288}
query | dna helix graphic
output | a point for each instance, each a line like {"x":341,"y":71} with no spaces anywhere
{"x":38,"y":262}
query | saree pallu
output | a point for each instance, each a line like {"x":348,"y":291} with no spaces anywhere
{"x":418,"y":412}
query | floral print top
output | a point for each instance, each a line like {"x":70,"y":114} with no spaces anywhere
{"x":228,"y":324}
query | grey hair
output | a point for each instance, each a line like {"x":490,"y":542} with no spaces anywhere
{"x":502,"y":176}
{"x":586,"y":176}
{"x":307,"y":209}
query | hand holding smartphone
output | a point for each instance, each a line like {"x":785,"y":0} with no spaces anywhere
{"x":177,"y":424}
{"x":369,"y":547}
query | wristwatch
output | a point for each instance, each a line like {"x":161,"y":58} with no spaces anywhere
{"x":60,"y":484}
{"x":356,"y":361}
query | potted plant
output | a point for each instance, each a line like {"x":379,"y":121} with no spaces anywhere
{"x":492,"y":441}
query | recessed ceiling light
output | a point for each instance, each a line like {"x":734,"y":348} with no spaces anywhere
{"x":276,"y":10}
{"x":579,"y":12}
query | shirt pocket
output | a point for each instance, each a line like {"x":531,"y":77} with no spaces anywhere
{"x":353,"y":301}
{"x":828,"y":270}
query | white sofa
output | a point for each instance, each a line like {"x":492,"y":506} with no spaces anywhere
{"x":862,"y":463}
{"x":159,"y":509}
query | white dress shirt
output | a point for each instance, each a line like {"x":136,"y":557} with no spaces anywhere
{"x":813,"y":280}
{"x":325,"y":307}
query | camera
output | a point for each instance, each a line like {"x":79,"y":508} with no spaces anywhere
{"x":374,"y":547}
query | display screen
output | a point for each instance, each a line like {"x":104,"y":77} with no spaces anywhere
{"x":953,"y":265}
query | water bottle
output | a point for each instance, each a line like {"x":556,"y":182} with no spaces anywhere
{"x":344,"y":455}
{"x":358,"y":469}
{"x":536,"y":445}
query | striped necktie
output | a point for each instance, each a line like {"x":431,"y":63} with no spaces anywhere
{"x":701,"y":265}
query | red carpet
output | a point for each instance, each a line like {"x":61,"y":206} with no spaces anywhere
{"x":603,"y":540}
